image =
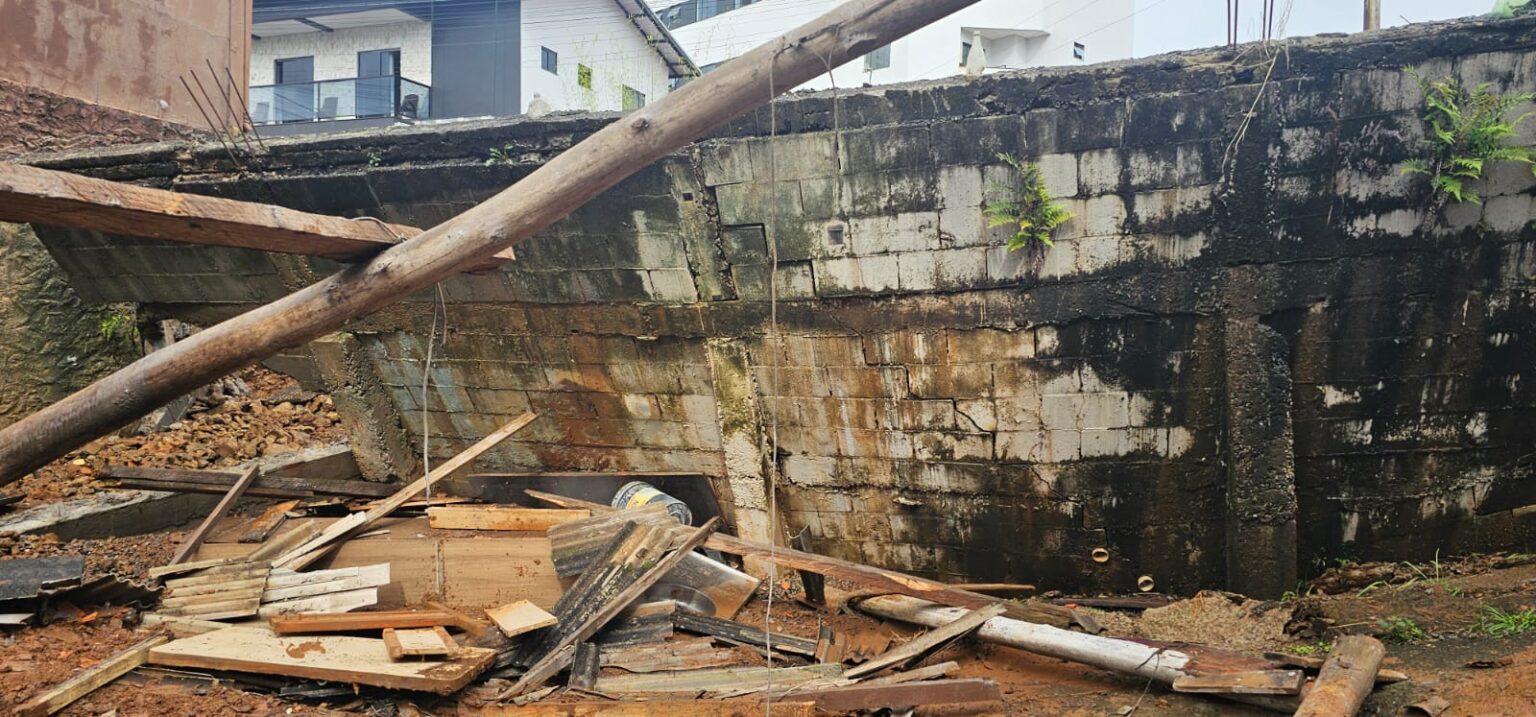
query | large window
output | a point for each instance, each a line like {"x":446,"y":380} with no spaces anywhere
{"x":550,"y":60}
{"x":633,"y":99}
{"x":692,"y":11}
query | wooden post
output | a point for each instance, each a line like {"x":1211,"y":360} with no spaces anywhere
{"x":1372,"y":14}
{"x":1346,"y":679}
{"x":549,"y":193}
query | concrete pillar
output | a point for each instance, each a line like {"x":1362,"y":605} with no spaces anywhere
{"x":375,"y":429}
{"x":745,"y":489}
{"x":1260,"y":456}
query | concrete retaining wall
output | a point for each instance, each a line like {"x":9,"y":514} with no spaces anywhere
{"x":1247,"y":356}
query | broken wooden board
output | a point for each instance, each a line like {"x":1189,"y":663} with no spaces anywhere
{"x":427,"y":563}
{"x":718,"y":680}
{"x":405,"y":642}
{"x":928,"y":643}
{"x":43,"y":196}
{"x":931,"y":672}
{"x":500,"y":517}
{"x":320,"y":623}
{"x":519,"y":617}
{"x":743,"y":633}
{"x":695,"y":654}
{"x":90,"y":680}
{"x":203,"y":529}
{"x":220,"y":481}
{"x":287,"y":585}
{"x":332,"y":658}
{"x":1251,"y":682}
{"x":847,"y":700}
{"x":789,"y":707}
{"x":261,"y":527}
{"x":328,"y":603}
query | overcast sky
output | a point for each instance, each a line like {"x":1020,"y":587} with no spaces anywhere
{"x":1164,"y":25}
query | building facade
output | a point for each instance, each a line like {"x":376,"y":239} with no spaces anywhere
{"x":1011,"y":33}
{"x":338,"y":65}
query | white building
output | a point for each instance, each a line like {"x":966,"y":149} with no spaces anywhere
{"x":1013,"y":33}
{"x":350,"y":63}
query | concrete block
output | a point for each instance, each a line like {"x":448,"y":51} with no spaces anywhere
{"x":745,"y":244}
{"x":927,"y":414}
{"x":1059,"y":412}
{"x":886,"y":148}
{"x":662,"y":251}
{"x":1019,"y":413}
{"x":987,"y":345}
{"x":793,"y":157}
{"x":1101,"y":216}
{"x":980,"y":414}
{"x":917,"y":270}
{"x":938,"y":446}
{"x":895,"y":233}
{"x":1098,"y":172}
{"x":1160,"y":210}
{"x":1007,"y":265}
{"x":1508,"y":214}
{"x":972,"y":380}
{"x":1098,"y":253}
{"x":1022,"y":446}
{"x":1059,"y":172}
{"x":726,"y":162}
{"x":811,"y":470}
{"x":1063,"y":446}
{"x":795,"y":281}
{"x":1103,"y":443}
{"x":961,"y":187}
{"x":672,"y":285}
{"x":905,"y":347}
{"x":856,"y":275}
{"x":964,"y":226}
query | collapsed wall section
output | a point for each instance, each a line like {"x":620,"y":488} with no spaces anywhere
{"x":1248,"y":354}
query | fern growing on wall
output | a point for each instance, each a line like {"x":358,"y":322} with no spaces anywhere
{"x":1024,"y":206}
{"x":1468,"y":131}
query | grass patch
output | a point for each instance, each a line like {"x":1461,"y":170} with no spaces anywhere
{"x":1311,"y":649}
{"x":1494,"y":622}
{"x":1401,"y":629}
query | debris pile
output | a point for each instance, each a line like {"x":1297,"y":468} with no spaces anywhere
{"x":556,"y":601}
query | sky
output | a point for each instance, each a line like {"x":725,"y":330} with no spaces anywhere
{"x":1166,"y":25}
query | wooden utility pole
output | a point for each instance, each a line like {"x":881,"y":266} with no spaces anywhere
{"x":1372,"y":14}
{"x":551,"y":192}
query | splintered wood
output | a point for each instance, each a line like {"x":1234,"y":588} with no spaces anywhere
{"x":334,"y":658}
{"x":522,"y":616}
{"x":500,"y":517}
{"x":405,"y":642}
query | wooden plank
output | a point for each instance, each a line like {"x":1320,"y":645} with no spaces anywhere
{"x":743,"y":633}
{"x":717,"y":680}
{"x":204,"y":488}
{"x":306,"y":556}
{"x":330,"y":602}
{"x":649,"y":708}
{"x":1250,"y":682}
{"x":846,"y":700}
{"x":1346,"y":679}
{"x":320,"y":623}
{"x":519,"y":617}
{"x":929,"y":642}
{"x":181,"y":626}
{"x":500,"y":517}
{"x":263,"y":526}
{"x":1306,"y":662}
{"x":541,"y":671}
{"x":870,"y":578}
{"x":206,"y":527}
{"x":80,"y":685}
{"x":43,"y":196}
{"x":224,"y":479}
{"x":405,"y":642}
{"x":332,"y":658}
{"x":696,"y":654}
{"x":371,"y":576}
{"x":931,"y":672}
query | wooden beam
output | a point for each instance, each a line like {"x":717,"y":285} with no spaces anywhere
{"x":302,"y":556}
{"x":221,"y":480}
{"x":500,"y":517}
{"x":206,"y":527}
{"x":929,"y":642}
{"x":45,"y":196}
{"x":319,"y":623}
{"x":1347,"y":678}
{"x":847,"y":700}
{"x":790,"y":707}
{"x":1251,"y":682}
{"x":89,"y":681}
{"x":554,"y":190}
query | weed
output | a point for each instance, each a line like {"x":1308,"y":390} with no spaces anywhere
{"x":1429,"y":579}
{"x":1310,"y":649}
{"x":1025,"y":207}
{"x":1401,"y":629}
{"x":1494,"y":622}
{"x":374,"y":158}
{"x":500,"y":155}
{"x":1468,"y":133}
{"x":120,"y":324}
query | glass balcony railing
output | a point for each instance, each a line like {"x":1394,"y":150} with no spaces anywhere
{"x":351,"y":98}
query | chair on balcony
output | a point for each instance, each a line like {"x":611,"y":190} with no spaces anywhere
{"x":328,"y":108}
{"x":259,"y":115}
{"x":409,"y":106}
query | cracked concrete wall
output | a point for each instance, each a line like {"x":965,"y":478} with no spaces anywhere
{"x":1246,"y":356}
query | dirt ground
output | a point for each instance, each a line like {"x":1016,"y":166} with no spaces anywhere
{"x":1429,"y":614}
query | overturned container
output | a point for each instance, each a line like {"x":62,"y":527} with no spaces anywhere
{"x":638,"y":493}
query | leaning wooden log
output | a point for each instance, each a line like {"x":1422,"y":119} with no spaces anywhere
{"x":549,"y":193}
{"x":1347,"y":678}
{"x":202,"y":530}
{"x":1161,"y":662}
{"x":89,"y":681}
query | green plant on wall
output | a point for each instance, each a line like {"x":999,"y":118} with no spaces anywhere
{"x":1468,"y":132}
{"x":121,"y":325}
{"x":1024,"y":206}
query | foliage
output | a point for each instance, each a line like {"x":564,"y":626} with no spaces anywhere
{"x":1401,"y":629}
{"x":500,"y":155}
{"x":1497,"y":623}
{"x":1025,"y":206}
{"x":1469,"y":132}
{"x":1508,"y":8}
{"x":120,"y":324}
{"x":1311,"y":649}
{"x":374,"y":158}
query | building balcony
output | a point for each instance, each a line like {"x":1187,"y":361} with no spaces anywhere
{"x":354,"y":98}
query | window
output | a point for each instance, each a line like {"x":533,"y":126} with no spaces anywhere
{"x":633,"y":99}
{"x":1079,"y":51}
{"x":584,"y":76}
{"x":879,"y":59}
{"x":294,"y":70}
{"x":550,"y":61}
{"x":965,"y":53}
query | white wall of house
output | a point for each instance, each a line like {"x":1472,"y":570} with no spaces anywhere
{"x":594,"y":33}
{"x":1019,"y":33}
{"x":335,"y":52}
